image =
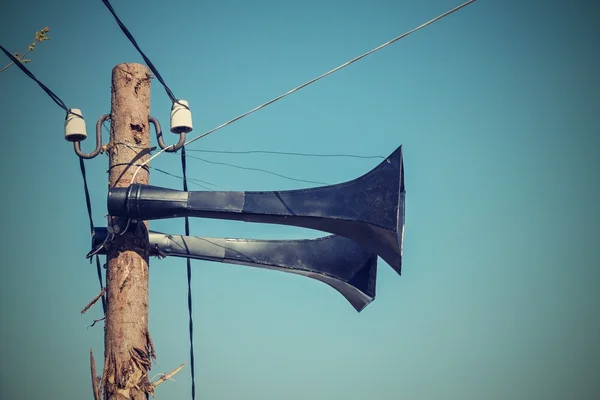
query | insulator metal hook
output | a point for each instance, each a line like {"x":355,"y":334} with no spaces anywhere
{"x":98,"y":149}
{"x":161,"y":142}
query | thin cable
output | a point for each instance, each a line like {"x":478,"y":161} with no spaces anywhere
{"x":311,"y":81}
{"x":189,"y":279}
{"x":258,"y":170}
{"x":99,"y":271}
{"x":193,"y":180}
{"x":88,"y":204}
{"x":285,"y":153}
{"x":146,"y":59}
{"x":86,"y":190}
{"x":109,"y":238}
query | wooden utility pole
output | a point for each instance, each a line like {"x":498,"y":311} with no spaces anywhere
{"x":128,"y":349}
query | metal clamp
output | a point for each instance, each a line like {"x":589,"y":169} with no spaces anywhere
{"x":98,"y":149}
{"x":161,"y":142}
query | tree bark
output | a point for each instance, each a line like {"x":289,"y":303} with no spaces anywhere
{"x":128,"y":349}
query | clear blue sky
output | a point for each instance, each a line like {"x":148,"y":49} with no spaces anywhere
{"x":497,"y":109}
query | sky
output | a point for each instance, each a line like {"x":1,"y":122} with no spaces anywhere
{"x":496,"y":107}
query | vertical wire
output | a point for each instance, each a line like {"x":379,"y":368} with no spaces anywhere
{"x":88,"y":204}
{"x":189,"y":280}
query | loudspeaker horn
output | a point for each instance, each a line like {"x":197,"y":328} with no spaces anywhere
{"x":368,"y":210}
{"x":335,"y":260}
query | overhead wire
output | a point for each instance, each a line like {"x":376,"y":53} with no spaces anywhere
{"x":347,"y":63}
{"x":189,"y":277}
{"x":45,"y":88}
{"x":62,"y":105}
{"x":146,"y":59}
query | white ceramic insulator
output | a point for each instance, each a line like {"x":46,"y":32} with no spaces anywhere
{"x":181,"y":118}
{"x":75,"y":126}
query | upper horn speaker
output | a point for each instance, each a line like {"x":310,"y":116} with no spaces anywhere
{"x":368,"y":209}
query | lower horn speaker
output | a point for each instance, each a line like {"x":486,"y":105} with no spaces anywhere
{"x":335,"y":260}
{"x":368,"y":210}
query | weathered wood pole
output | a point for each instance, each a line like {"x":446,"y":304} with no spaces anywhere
{"x":128,"y":349}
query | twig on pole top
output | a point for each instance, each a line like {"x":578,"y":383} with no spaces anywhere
{"x":40,"y":36}
{"x":94,"y":300}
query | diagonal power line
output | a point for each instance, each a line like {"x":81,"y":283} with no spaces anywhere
{"x":330,"y":72}
{"x":347,"y":63}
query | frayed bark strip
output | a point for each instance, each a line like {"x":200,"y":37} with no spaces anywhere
{"x":135,"y":359}
{"x":140,"y":357}
{"x":105,"y":373}
{"x":95,"y":379}
{"x":94,"y":300}
{"x":150,"y":346}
